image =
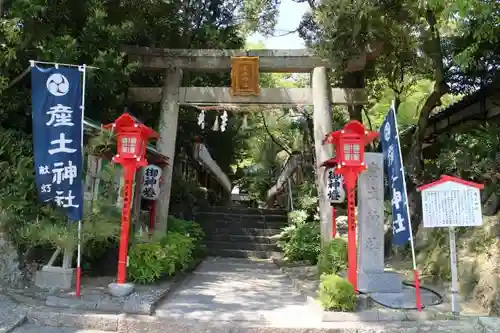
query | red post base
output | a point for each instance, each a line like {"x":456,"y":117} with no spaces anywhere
{"x":125,"y":226}
{"x":417,"y":290}
{"x":78,"y":280}
{"x":152,"y":215}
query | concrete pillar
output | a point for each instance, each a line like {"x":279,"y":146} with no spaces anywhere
{"x":166,"y":144}
{"x":371,"y":275}
{"x":91,"y":191}
{"x":323,"y":124}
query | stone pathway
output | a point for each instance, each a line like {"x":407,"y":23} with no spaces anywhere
{"x":11,"y":314}
{"x":48,"y":329}
{"x":230,"y":289}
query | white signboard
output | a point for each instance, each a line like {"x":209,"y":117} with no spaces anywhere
{"x":451,"y":204}
{"x":151,"y":182}
{"x":335,"y":192}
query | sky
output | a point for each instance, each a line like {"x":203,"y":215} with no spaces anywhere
{"x":288,"y":20}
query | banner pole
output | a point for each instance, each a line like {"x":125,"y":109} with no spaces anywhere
{"x":57,"y":64}
{"x":79,"y":246}
{"x":78,"y":261}
{"x":415,"y":270}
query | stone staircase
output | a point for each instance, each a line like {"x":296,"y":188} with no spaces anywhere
{"x":241,"y":232}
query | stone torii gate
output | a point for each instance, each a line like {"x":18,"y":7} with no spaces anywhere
{"x":246,"y":63}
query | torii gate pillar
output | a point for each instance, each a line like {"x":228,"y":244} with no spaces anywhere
{"x":166,"y":144}
{"x":323,"y":120}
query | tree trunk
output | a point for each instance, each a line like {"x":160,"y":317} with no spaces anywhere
{"x":272,"y":137}
{"x":354,"y":80}
{"x":415,"y":161}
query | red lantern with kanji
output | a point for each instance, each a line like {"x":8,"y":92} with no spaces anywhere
{"x":349,"y":147}
{"x":132,"y":140}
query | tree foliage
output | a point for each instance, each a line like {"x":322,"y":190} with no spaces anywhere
{"x":426,"y":50}
{"x":93,"y":32}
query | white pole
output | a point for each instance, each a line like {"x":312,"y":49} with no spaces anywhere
{"x":290,"y":193}
{"x":415,"y":271}
{"x":79,"y":246}
{"x":78,"y":260}
{"x":455,"y":309}
{"x":33,"y":62}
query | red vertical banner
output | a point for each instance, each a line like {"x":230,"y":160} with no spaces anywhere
{"x":152,"y":213}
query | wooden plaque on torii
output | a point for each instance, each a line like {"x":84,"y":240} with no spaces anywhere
{"x":245,"y":76}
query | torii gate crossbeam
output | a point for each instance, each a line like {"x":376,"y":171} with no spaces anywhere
{"x":174,"y":62}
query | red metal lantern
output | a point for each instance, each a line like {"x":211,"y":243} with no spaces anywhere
{"x":132,"y":140}
{"x":349,"y":144}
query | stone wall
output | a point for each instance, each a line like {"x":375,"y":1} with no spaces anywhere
{"x":479,"y":270}
{"x":10,"y":274}
{"x":478,"y":256}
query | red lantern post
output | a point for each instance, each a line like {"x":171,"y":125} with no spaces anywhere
{"x":349,"y":144}
{"x":132,"y":139}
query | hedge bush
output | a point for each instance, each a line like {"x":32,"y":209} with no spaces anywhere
{"x":150,"y":260}
{"x":179,"y":252}
{"x":146,"y":262}
{"x":188,"y":228}
{"x":300,"y":240}
{"x":336,"y":294}
{"x":191,"y":229}
{"x":333,"y":257}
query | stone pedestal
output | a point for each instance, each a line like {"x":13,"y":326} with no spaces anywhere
{"x":380,"y":282}
{"x":371,"y":274}
{"x":51,"y":277}
{"x":121,"y":289}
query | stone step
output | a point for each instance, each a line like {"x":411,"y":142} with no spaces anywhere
{"x":240,"y":238}
{"x":207,"y":216}
{"x":245,"y":211}
{"x":236,"y":230}
{"x":243,"y":253}
{"x":228,"y":223}
{"x":241,"y":246}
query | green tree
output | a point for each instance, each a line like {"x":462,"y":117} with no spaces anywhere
{"x":411,"y":38}
{"x":93,"y":32}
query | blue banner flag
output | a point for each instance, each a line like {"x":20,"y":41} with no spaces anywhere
{"x":58,"y":137}
{"x":391,"y":149}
